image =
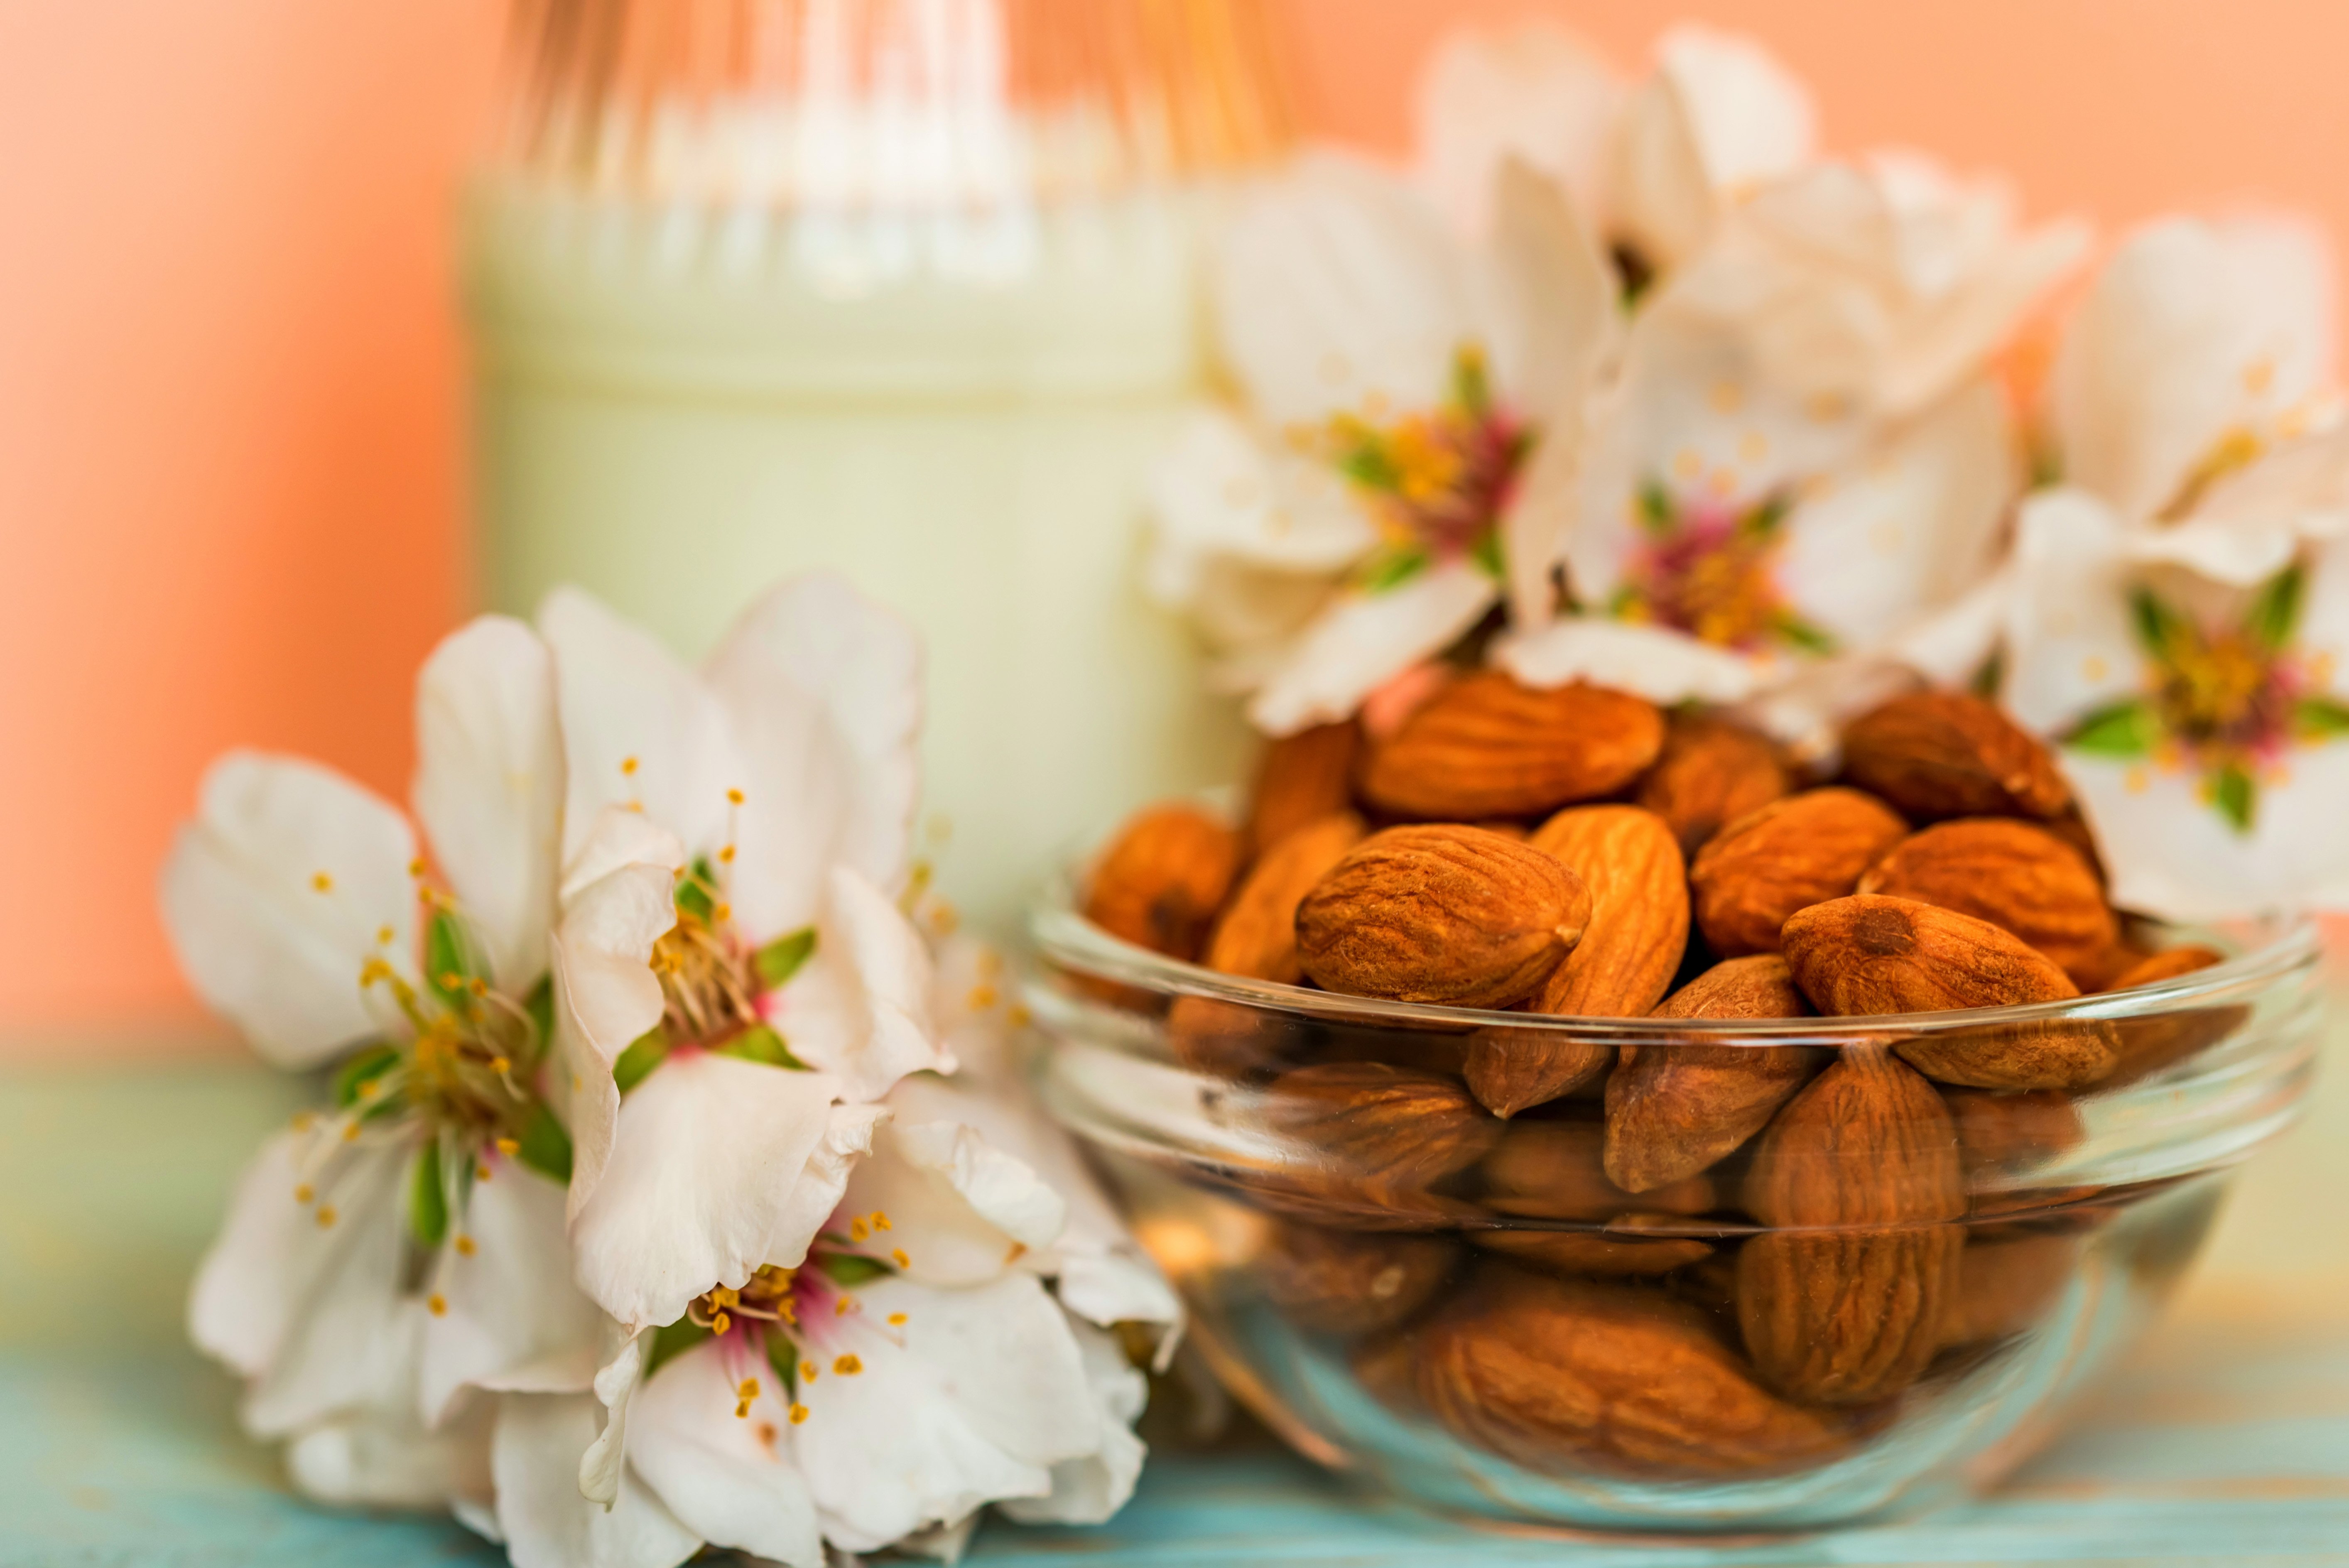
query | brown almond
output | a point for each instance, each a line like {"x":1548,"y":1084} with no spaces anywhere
{"x":1562,"y":1375}
{"x":1675,"y":1109}
{"x":1374,"y":1127}
{"x":1870,"y":954}
{"x":1608,"y":1255}
{"x":1846,"y":1317}
{"x":2002,"y":1132}
{"x":1488,"y":747}
{"x":2157,"y":1041}
{"x":1258,"y":933}
{"x":2170,"y":963}
{"x":2020,"y":878}
{"x":1711,"y":772}
{"x":1441,"y":913}
{"x":1225,"y":1039}
{"x":1346,"y":1282}
{"x":2006,"y":1285}
{"x":1868,"y":1142}
{"x":1790,"y":855}
{"x":1555,"y":1171}
{"x":1302,"y":778}
{"x":1939,"y":753}
{"x":1162,"y":878}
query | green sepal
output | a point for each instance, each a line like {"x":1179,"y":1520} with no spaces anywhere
{"x":1472,"y":388}
{"x":1367,"y":463}
{"x":2125,"y":729}
{"x":540,"y":1006}
{"x":1793,"y":629}
{"x":760,"y":1043}
{"x":352,"y":1079}
{"x":644,"y":1053}
{"x":1391,"y":569}
{"x":671,"y":1341}
{"x":1656,"y":514}
{"x":1989,"y":676}
{"x":693,"y":891}
{"x":783,"y":957}
{"x":2157,"y":626}
{"x":784,"y":1358}
{"x":2274,"y":613}
{"x":427,"y":1197}
{"x":2320,"y":718}
{"x":848,"y":1269}
{"x":1766,"y":515}
{"x":544,"y":1146}
{"x":452,"y":960}
{"x":2236,"y":795}
{"x":1486,"y":555}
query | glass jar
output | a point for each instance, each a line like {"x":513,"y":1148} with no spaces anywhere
{"x":1881,"y":1300}
{"x":904,"y":288}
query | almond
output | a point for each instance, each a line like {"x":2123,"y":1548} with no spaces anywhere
{"x":1303,"y":778}
{"x":1347,"y":1282}
{"x":1846,"y":1317}
{"x":1590,"y":1252}
{"x":1711,"y":772}
{"x":2157,"y":1041}
{"x":1444,"y":915}
{"x":2006,"y":1285}
{"x":1946,"y":754}
{"x":1162,"y":878}
{"x":2018,"y":877}
{"x":1225,"y":1039}
{"x":2170,"y":963}
{"x":2002,"y":1133}
{"x":1375,"y":1129}
{"x":1554,"y":1170}
{"x":1675,"y":1109}
{"x":1868,"y":1142}
{"x":1871,"y":955}
{"x":1790,"y":855}
{"x":1257,"y":934}
{"x":1486,"y":746}
{"x":1560,"y":1375}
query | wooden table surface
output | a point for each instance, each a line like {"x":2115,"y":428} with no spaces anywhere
{"x":2224,"y":1440}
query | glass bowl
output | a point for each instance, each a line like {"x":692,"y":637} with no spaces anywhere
{"x":1881,"y":1301}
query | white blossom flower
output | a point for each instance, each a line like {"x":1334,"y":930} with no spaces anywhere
{"x":2181,"y":624}
{"x":1353,"y":517}
{"x":383,"y":1259}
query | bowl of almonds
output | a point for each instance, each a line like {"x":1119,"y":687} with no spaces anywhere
{"x":1569,"y":1112}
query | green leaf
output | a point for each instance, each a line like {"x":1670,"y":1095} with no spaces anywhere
{"x":1487,"y":554}
{"x":671,"y":1341}
{"x":780,"y":959}
{"x":1393,"y":568}
{"x":2320,"y":718}
{"x":540,"y":1006}
{"x":693,"y":891}
{"x":1792,"y":629}
{"x":2236,"y":795}
{"x":848,"y":1269}
{"x":545,"y":1146}
{"x":427,"y":1198}
{"x":2274,"y":613}
{"x":361,"y":1070}
{"x":451,"y":959}
{"x":644,"y":1053}
{"x":784,"y":1358}
{"x":2125,"y":729}
{"x":760,"y":1043}
{"x":2158,"y":627}
{"x":1656,"y":512}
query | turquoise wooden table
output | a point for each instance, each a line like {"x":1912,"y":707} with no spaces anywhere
{"x":2226,"y":1440}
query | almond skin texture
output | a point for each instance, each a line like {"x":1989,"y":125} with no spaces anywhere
{"x":2001,"y":1133}
{"x":1790,"y":855}
{"x":2006,"y":1285}
{"x":1673,"y":1110}
{"x":2170,"y":963}
{"x":1486,"y":746}
{"x":1866,"y":1144}
{"x":1346,"y":1282}
{"x":1224,"y":1039}
{"x":1711,"y":773}
{"x":1582,"y":1253}
{"x":1446,"y":914}
{"x":1257,"y":934}
{"x":2022,"y":879}
{"x":1559,"y":1375}
{"x":1871,"y":955}
{"x":2158,"y":1040}
{"x":1378,"y":1128}
{"x":1303,"y":778}
{"x":1946,"y":754}
{"x":1554,"y":1170}
{"x":1161,"y":880}
{"x":1846,"y":1317}
{"x":1631,"y":862}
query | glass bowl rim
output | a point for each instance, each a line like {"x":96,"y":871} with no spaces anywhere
{"x":2287,"y":943}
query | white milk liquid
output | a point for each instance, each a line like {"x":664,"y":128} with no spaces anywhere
{"x":676,"y":408}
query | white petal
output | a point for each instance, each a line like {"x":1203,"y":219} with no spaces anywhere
{"x":702,"y":1186}
{"x":1807,"y":709}
{"x":1948,"y":646}
{"x":985,"y":1395}
{"x":546,"y":1521}
{"x":246,"y":1288}
{"x":2194,"y":329}
{"x":618,"y":899}
{"x":489,"y":787}
{"x":1362,"y":639}
{"x":1337,"y":286}
{"x":349,"y":1337}
{"x":618,"y":1380}
{"x":1530,"y":90}
{"x":2069,"y":646}
{"x":513,"y":1319}
{"x":952,"y":1199}
{"x":1719,"y":116}
{"x":278,"y":894}
{"x":2172,"y":855}
{"x":1088,"y":1490}
{"x":385,"y":1459}
{"x":1555,"y":315}
{"x":860,"y":1009}
{"x":2250,"y":523}
{"x":824,"y":691}
{"x":729,"y":1477}
{"x":639,"y":729}
{"x":1653,"y":662}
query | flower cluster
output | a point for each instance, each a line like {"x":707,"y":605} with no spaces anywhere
{"x":1626,"y":381}
{"x":675,"y":1188}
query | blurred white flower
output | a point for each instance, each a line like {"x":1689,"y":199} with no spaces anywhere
{"x":1354,"y":516}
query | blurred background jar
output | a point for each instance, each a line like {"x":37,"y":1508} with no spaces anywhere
{"x":908,"y":288}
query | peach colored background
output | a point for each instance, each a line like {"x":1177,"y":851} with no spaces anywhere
{"x":231,"y":470}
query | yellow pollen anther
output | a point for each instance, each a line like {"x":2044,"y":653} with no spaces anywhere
{"x":507,"y":1146}
{"x":897,"y":1255}
{"x":351,"y":1130}
{"x":720,"y":1323}
{"x":808,"y":1372}
{"x":896,"y":1320}
{"x":326,"y":1215}
{"x":322,"y":882}
{"x":734,"y":797}
{"x":415,"y":866}
{"x":726,"y":856}
{"x":722,"y":912}
{"x":500,"y":1066}
{"x":742,"y":1411}
{"x":481,"y":1172}
{"x":981,"y":998}
{"x":451,"y":981}
{"x":437,"y":1304}
{"x":858,"y":1229}
{"x":480,"y":987}
{"x":465,"y":1248}
{"x":383,"y":934}
{"x":880,"y":1221}
{"x":847,"y":1365}
{"x":843,"y":1306}
{"x":628,"y":767}
{"x":749,"y":1390}
{"x":305,"y":1193}
{"x":1019,"y":1017}
{"x":798,"y":1414}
